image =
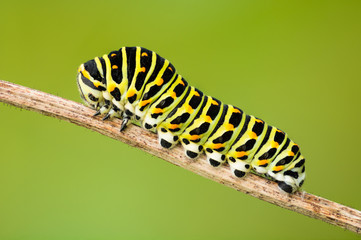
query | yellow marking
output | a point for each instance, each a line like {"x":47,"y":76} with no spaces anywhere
{"x":157,"y":110}
{"x":277,"y":168}
{"x":196,"y":94}
{"x":214,"y":102}
{"x":290,"y":153}
{"x":208,"y":119}
{"x":252,"y":135}
{"x":235,"y":110}
{"x":99,"y":66}
{"x":173,"y":95}
{"x":159,"y":81}
{"x":240,"y":154}
{"x":181,"y":82}
{"x":80,"y":68}
{"x":262,"y":162}
{"x":124,"y":83}
{"x":108,"y":72}
{"x":173,"y":126}
{"x":130,"y":93}
{"x":144,"y":102}
{"x":279,"y":131}
{"x":259,"y":120}
{"x":142,"y":69}
{"x":144,"y":54}
{"x":275,"y":145}
{"x":114,"y":67}
{"x":96,"y":83}
{"x":229,"y":127}
{"x":111,"y":87}
{"x":217,"y":145}
{"x":193,"y":137}
{"x":170,"y":69}
{"x":85,"y":74}
{"x":113,"y":55}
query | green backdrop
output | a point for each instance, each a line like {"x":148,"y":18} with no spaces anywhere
{"x":295,"y":64}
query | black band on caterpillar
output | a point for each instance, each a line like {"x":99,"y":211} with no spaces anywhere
{"x":137,"y":84}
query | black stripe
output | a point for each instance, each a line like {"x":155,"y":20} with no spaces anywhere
{"x":201,"y":109}
{"x":244,"y":128}
{"x":221,"y":119}
{"x":88,"y":82}
{"x":265,"y":139}
{"x":131,"y":58}
{"x":283,"y":148}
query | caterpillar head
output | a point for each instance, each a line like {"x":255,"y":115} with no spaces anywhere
{"x":90,"y":85}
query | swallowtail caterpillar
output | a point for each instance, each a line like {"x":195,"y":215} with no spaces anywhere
{"x":137,"y":84}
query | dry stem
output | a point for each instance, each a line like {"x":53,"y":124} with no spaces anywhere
{"x":301,"y":202}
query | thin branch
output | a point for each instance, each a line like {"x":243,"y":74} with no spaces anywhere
{"x":301,"y":202}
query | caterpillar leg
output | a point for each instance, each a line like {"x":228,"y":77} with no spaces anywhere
{"x":104,"y":108}
{"x":238,"y":167}
{"x":215,"y":158}
{"x":291,"y":178}
{"x":166,"y":138}
{"x":114,"y":112}
{"x":192,"y":150}
{"x":124,"y":124}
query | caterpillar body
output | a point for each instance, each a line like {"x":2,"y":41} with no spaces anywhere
{"x":137,"y":84}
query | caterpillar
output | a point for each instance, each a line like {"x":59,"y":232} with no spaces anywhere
{"x":138,"y":85}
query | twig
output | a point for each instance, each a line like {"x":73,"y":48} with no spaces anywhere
{"x":301,"y":202}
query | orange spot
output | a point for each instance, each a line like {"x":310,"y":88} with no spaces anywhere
{"x":207,"y":119}
{"x":196,"y":94}
{"x":130,"y":93}
{"x":290,"y":153}
{"x":240,"y":154}
{"x":85,"y":74}
{"x":229,"y":127}
{"x":259,"y":120}
{"x":114,"y":67}
{"x":170,"y":69}
{"x":159,"y":81}
{"x":113,"y":55}
{"x":181,"y":82}
{"x":173,"y":95}
{"x":217,"y":145}
{"x":157,"y":110}
{"x":111,"y":87}
{"x":194,"y":137}
{"x":188,"y":109}
{"x":96,"y":83}
{"x":142,"y":69}
{"x":262,"y":162}
{"x":144,"y":102}
{"x":236,"y":110}
{"x":214,"y":102}
{"x":144,"y":54}
{"x":277,"y":168}
{"x":252,"y":135}
{"x":275,"y":145}
{"x":173,"y":126}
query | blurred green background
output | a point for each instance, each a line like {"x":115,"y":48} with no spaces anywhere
{"x":295,"y":64}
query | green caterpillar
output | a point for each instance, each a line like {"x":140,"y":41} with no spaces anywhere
{"x":137,"y":84}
